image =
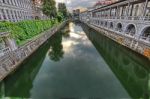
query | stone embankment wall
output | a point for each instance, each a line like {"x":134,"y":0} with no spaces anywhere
{"x":10,"y":61}
{"x":138,"y":46}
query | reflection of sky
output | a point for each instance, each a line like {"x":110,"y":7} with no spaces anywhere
{"x":81,"y":73}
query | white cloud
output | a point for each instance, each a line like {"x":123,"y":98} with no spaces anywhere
{"x":73,"y":4}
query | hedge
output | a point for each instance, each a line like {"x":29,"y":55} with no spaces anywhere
{"x":24,"y":30}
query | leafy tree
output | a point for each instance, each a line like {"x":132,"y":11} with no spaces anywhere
{"x":62,"y":9}
{"x":49,"y":8}
{"x":60,"y":16}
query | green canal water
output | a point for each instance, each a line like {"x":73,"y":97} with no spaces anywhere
{"x":80,"y":63}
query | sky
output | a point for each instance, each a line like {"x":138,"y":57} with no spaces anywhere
{"x":73,"y":4}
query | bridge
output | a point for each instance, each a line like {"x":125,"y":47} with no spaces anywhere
{"x":129,"y":19}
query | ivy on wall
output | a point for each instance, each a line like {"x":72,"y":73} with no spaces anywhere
{"x":24,"y":30}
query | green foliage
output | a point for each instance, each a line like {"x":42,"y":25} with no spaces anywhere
{"x":24,"y":30}
{"x":49,"y":8}
{"x":62,"y":9}
{"x":60,"y":16}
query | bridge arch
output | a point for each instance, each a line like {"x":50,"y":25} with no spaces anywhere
{"x":111,"y":25}
{"x":130,"y":29}
{"x":145,"y":34}
{"x":102,"y":23}
{"x":119,"y":27}
{"x":105,"y":24}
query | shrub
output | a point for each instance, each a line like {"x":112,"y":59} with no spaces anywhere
{"x":21,"y":31}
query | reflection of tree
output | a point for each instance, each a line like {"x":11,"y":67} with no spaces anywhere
{"x":56,"y":51}
{"x":66,"y":31}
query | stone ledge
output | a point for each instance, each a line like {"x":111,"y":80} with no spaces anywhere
{"x":130,"y":43}
{"x":11,"y":61}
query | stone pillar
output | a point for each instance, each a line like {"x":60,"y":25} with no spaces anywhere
{"x":10,"y":43}
{"x":5,"y":13}
{"x":14,"y":15}
{"x":110,"y":13}
{"x":10,"y":15}
{"x":131,"y":10}
{"x":1,"y":15}
{"x":127,"y":10}
{"x":145,"y":8}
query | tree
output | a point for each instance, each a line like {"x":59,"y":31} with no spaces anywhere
{"x":49,"y":8}
{"x":62,"y":9}
{"x":60,"y":16}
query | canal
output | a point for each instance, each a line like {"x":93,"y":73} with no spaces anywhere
{"x":78,"y":62}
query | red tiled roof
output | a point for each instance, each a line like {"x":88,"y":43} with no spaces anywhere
{"x":105,"y":2}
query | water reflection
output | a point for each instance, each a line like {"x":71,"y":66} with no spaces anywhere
{"x":72,"y":67}
{"x":81,"y":73}
{"x":19,"y":83}
{"x":130,"y":68}
{"x":56,"y":49}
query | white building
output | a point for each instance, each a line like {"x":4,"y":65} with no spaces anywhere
{"x":15,"y":10}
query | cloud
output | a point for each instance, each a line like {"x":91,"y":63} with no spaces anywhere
{"x":73,"y":4}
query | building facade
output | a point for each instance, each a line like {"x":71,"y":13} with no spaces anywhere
{"x":15,"y":10}
{"x":126,"y":21}
{"x":129,"y":17}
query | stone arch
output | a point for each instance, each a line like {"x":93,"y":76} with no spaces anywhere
{"x":102,"y":23}
{"x":111,"y":25}
{"x":119,"y":27}
{"x":105,"y":24}
{"x":145,"y":34}
{"x":98,"y":22}
{"x":130,"y":29}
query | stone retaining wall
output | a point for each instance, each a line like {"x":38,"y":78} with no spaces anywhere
{"x":10,"y":61}
{"x":138,"y":46}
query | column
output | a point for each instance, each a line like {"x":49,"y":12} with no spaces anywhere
{"x":1,"y":15}
{"x":14,"y":15}
{"x":5,"y":14}
{"x":10,"y":15}
{"x":145,"y":8}
{"x":1,"y":1}
{"x":131,"y":10}
{"x":127,"y":10}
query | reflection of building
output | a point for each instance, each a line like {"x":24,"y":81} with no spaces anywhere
{"x":132,"y":70}
{"x":15,"y":10}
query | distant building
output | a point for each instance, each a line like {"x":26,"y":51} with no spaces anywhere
{"x":76,"y":13}
{"x":104,"y":3}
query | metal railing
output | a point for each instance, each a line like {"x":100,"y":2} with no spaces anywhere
{"x":143,"y":38}
{"x":4,"y":51}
